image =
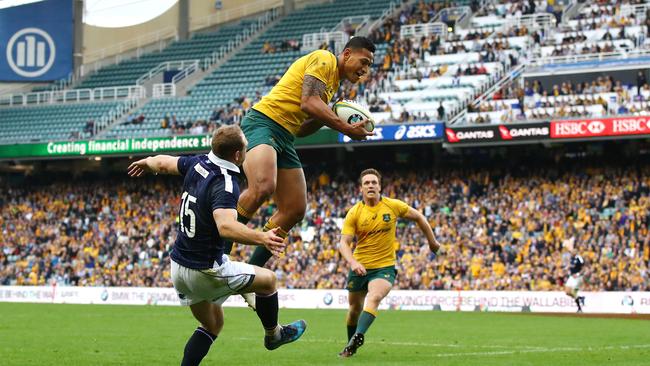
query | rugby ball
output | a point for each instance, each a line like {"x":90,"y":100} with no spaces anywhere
{"x":353,"y":112}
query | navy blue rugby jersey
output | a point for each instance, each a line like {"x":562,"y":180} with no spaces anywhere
{"x":209,"y":183}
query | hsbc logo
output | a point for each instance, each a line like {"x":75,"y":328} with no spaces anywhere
{"x":578,"y":128}
{"x":596,"y":127}
{"x":631,"y":125}
{"x":31,"y":52}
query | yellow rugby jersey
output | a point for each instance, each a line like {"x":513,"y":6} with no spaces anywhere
{"x":282,"y":104}
{"x":374,"y":228}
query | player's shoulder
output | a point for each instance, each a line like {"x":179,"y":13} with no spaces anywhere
{"x":323,"y":55}
{"x":354,"y":210}
{"x":398,"y":206}
{"x":392,"y":202}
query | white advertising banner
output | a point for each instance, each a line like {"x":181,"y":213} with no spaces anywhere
{"x":534,"y":301}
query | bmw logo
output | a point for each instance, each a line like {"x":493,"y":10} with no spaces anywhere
{"x":328,"y":299}
{"x":104,"y":295}
{"x":627,"y":300}
{"x":355,"y":118}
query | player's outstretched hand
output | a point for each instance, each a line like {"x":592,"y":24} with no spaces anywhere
{"x":358,"y":268}
{"x":273,"y":242}
{"x":138,"y":168}
{"x":439,"y":250}
{"x":357,"y":131}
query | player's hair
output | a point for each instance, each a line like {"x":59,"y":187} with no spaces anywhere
{"x":360,"y":42}
{"x":227,"y":140}
{"x":369,"y":171}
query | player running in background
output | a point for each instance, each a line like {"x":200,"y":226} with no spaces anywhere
{"x":372,"y":265}
{"x":296,"y":106}
{"x":574,"y":281}
{"x":202,"y":274}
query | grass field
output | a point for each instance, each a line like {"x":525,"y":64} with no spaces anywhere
{"x":43,"y":334}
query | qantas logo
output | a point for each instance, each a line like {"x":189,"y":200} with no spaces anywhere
{"x":505,"y":133}
{"x":451,"y":135}
{"x":513,"y":133}
{"x":457,"y":136}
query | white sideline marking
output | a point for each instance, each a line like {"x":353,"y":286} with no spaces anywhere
{"x":417,"y":344}
{"x":542,"y":350}
{"x":511,"y":349}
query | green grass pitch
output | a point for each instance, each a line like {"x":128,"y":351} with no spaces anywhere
{"x":45,"y":334}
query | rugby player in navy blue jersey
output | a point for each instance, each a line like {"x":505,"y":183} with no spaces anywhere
{"x":574,"y":281}
{"x":202,"y":274}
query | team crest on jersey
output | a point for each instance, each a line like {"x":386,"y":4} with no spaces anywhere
{"x":351,"y":284}
{"x":386,"y":217}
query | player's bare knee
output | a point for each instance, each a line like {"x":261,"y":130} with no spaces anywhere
{"x":569,"y":291}
{"x":218,"y":325}
{"x":215,"y":326}
{"x":273,"y":282}
{"x":355,"y":312}
{"x":268,"y":283}
{"x":374,"y":298}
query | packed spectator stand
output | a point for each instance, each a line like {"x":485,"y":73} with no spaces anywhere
{"x":504,"y":229}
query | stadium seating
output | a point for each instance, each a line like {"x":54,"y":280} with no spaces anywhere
{"x":245,"y":73}
{"x":422,"y":78}
{"x":52,"y":122}
{"x":200,"y":46}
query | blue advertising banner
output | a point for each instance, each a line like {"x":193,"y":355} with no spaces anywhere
{"x":36,"y":41}
{"x":406,"y":132}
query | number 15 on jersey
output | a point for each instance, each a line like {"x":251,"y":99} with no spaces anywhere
{"x":186,"y":199}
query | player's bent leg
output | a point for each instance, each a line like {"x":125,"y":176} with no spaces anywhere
{"x":355,"y":300}
{"x":261,"y":172}
{"x":291,"y":198}
{"x":377,"y":290}
{"x":266,"y":301}
{"x":211,"y":318}
{"x":569,"y":291}
{"x":260,"y":168}
{"x":573,"y":293}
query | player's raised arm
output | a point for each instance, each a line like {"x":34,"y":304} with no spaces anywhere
{"x":164,"y":164}
{"x":230,"y":228}
{"x":346,"y":251}
{"x":311,"y":102}
{"x":415,"y":215}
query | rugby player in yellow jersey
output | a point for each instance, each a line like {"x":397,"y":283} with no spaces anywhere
{"x":372,"y":265}
{"x":296,"y":106}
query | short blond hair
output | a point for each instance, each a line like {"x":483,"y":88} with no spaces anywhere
{"x":227,"y":140}
{"x":370,"y":171}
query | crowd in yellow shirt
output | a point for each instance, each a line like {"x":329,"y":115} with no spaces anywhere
{"x":500,"y":232}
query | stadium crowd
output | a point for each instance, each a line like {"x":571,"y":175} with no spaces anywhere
{"x":501,"y":231}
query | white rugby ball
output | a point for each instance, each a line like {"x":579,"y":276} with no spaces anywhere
{"x":353,"y":112}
